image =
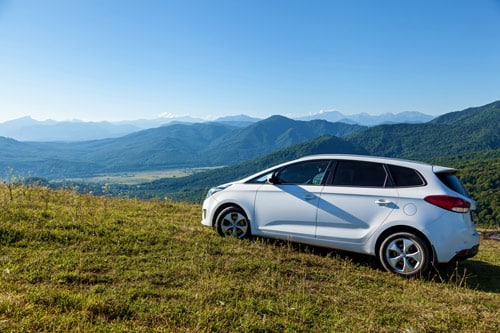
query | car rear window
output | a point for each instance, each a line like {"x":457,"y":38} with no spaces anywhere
{"x":451,"y":181}
{"x":405,"y":177}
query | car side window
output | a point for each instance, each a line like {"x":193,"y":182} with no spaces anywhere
{"x":309,"y":172}
{"x":405,"y":177}
{"x":260,"y":179}
{"x":359,"y":173}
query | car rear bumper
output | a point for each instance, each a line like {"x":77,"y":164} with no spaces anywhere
{"x":453,"y":238}
{"x":466,"y":253}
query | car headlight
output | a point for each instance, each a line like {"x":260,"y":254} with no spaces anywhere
{"x":216,"y":189}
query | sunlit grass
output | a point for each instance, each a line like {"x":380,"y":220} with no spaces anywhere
{"x":72,"y":262}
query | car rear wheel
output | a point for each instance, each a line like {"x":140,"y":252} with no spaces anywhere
{"x":405,"y":254}
{"x":232,"y":221}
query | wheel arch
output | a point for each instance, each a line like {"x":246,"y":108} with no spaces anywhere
{"x":224,"y":206}
{"x":404,"y":228}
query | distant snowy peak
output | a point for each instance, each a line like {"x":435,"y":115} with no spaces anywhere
{"x":241,"y":117}
{"x":331,"y":116}
{"x":366,"y":119}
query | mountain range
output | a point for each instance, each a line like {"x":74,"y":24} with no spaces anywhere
{"x":365,"y":119}
{"x":450,"y":136}
{"x":170,"y":146}
{"x":179,"y":145}
{"x":29,"y":129}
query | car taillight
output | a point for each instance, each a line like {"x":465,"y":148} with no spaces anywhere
{"x":450,"y":203}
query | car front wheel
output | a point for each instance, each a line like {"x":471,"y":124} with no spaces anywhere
{"x":232,"y":221}
{"x":405,"y":254}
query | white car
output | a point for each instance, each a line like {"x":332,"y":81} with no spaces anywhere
{"x":410,"y":215}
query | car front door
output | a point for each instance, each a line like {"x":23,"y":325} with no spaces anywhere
{"x":287,"y":205}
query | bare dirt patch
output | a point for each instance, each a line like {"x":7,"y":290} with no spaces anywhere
{"x":494,"y":235}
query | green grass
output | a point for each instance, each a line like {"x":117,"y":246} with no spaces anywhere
{"x":81,"y":263}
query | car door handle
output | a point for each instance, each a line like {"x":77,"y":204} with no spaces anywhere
{"x":309,"y":197}
{"x":383,"y":202}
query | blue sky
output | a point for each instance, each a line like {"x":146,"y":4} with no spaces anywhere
{"x":121,"y":60}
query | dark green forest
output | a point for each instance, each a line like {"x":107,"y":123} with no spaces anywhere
{"x":480,"y":173}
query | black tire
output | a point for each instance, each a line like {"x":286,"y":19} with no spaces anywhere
{"x":405,"y":254}
{"x":232,"y":221}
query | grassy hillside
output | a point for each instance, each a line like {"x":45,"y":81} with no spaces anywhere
{"x":72,"y":262}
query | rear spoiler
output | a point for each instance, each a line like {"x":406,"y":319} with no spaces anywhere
{"x":440,"y":169}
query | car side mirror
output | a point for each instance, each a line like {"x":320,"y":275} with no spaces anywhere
{"x":272,"y":179}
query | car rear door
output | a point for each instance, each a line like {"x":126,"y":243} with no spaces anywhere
{"x":356,"y":201}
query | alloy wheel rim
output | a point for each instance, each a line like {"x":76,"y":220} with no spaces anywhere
{"x":234,"y":224}
{"x":404,"y":255}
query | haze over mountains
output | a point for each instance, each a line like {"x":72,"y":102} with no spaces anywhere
{"x":189,"y":145}
{"x":29,"y":129}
